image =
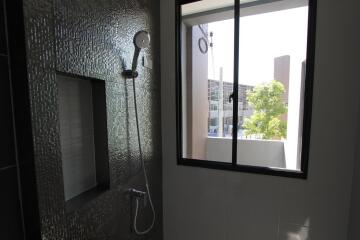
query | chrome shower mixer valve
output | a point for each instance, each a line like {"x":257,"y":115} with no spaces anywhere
{"x":136,"y":193}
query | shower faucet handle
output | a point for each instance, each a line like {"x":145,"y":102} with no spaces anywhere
{"x":136,"y":193}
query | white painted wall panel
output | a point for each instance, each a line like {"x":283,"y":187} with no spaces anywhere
{"x":202,"y":204}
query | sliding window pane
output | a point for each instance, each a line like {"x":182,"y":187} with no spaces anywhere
{"x":273,"y":44}
{"x":207,"y":66}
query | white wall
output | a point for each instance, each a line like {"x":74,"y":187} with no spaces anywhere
{"x":203,"y":204}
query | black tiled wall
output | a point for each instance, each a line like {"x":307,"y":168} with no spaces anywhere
{"x":94,"y":39}
{"x":10,"y":208}
{"x":59,"y":37}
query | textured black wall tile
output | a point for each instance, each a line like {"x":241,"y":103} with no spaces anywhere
{"x":10,"y":216}
{"x":6,"y":128}
{"x":94,"y":39}
{"x":39,"y":27}
{"x":2,"y":29}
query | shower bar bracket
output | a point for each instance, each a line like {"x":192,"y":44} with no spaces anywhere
{"x":130,"y":74}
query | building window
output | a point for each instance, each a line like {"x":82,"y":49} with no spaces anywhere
{"x":245,"y":72}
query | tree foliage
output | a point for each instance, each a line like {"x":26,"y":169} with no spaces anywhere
{"x":266,"y":100}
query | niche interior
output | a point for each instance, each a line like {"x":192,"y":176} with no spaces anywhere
{"x":83,"y":137}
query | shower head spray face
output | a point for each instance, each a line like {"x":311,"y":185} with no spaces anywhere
{"x":142,"y":39}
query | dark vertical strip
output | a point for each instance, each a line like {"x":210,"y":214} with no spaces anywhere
{"x":100,"y":134}
{"x":3,"y":47}
{"x":13,"y":124}
{"x":236,"y":80}
{"x":309,"y":79}
{"x":178,"y":79}
{"x":22,"y":118}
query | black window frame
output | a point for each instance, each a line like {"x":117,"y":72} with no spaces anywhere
{"x":308,"y":99}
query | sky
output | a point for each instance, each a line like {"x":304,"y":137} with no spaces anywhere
{"x":262,"y":38}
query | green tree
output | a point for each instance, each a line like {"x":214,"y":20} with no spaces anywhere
{"x":266,"y":100}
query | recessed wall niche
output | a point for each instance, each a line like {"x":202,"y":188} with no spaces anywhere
{"x":83,"y":137}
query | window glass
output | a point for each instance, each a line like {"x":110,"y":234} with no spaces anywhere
{"x":245,"y":66}
{"x":207,"y":79}
{"x":272,"y":55}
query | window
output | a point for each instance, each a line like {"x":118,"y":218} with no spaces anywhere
{"x":244,"y":84}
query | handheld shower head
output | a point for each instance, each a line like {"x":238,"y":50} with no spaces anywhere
{"x":141,"y":41}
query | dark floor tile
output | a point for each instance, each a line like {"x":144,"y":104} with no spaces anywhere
{"x":10,"y":217}
{"x":2,"y":29}
{"x":7,"y":156}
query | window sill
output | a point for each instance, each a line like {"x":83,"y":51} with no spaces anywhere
{"x":242,"y":168}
